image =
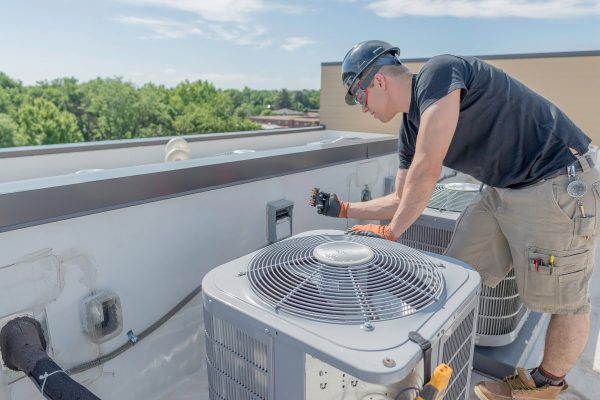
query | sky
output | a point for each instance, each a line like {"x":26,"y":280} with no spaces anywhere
{"x":269,"y":44}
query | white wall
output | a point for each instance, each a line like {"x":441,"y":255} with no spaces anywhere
{"x":152,"y":255}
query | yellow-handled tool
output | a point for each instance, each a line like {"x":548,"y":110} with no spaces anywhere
{"x":434,"y":389}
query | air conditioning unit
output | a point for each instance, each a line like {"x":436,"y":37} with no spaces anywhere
{"x":324,"y":315}
{"x":501,"y":312}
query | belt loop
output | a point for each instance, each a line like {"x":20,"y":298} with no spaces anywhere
{"x":583,"y":161}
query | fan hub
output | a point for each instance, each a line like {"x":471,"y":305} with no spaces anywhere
{"x":343,"y":254}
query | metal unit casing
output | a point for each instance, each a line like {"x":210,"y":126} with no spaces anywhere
{"x":255,"y":351}
{"x":501,"y":312}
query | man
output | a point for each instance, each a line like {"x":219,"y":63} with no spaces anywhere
{"x":537,"y":212}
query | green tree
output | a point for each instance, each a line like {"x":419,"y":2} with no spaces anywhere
{"x":7,"y":83}
{"x":109,"y":109}
{"x":197,"y":119}
{"x":244,"y":111}
{"x":283,"y":100}
{"x":106,"y":109}
{"x":11,"y":95}
{"x":313,"y":99}
{"x":202,"y":119}
{"x":187,"y":93}
{"x":9,"y":132}
{"x":299,"y":101}
{"x":154,"y":112}
{"x":201,"y":108}
{"x":64,"y":93}
{"x":5,"y":101}
{"x":41,"y":122}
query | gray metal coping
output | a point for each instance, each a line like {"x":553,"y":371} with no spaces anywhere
{"x":12,"y":152}
{"x":36,"y":206}
{"x":504,"y":360}
{"x":583,"y":53}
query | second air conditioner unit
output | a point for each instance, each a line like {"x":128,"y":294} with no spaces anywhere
{"x":327,"y":316}
{"x":501,"y":312}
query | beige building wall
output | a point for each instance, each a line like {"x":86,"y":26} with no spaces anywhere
{"x":569,"y":80}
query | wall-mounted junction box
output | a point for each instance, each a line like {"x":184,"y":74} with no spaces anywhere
{"x":101,"y":316}
{"x":279,"y":220}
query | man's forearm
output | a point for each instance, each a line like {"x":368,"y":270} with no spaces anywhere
{"x":380,"y":208}
{"x":420,"y":183}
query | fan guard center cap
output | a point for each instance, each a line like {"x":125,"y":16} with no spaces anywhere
{"x":343,"y":254}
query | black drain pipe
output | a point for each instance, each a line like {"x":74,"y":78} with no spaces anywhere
{"x":23,"y":349}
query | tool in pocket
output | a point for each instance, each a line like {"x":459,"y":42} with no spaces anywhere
{"x":576,"y":189}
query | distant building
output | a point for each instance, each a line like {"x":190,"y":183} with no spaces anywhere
{"x":287,"y":111}
{"x":286,"y":118}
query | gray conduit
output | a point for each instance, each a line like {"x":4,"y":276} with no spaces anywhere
{"x":134,"y":338}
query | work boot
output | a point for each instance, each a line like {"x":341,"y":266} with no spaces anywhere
{"x":517,"y":387}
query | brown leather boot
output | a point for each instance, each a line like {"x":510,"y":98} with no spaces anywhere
{"x":517,"y":387}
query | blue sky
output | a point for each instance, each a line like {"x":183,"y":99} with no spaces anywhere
{"x":269,"y":44}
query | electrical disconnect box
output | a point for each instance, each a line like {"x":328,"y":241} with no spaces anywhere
{"x":279,"y":219}
{"x":389,"y":183}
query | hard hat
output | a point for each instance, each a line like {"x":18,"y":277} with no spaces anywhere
{"x":362,"y":56}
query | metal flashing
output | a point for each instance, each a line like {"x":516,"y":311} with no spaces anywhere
{"x":39,"y":206}
{"x":517,"y":56}
{"x":12,"y":152}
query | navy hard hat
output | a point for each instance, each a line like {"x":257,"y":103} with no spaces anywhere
{"x":362,"y":56}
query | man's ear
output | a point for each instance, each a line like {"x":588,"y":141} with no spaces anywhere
{"x":379,"y":80}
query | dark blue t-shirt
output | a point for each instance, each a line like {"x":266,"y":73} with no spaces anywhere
{"x":507,"y":135}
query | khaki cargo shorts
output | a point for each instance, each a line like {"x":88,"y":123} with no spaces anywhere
{"x":526,"y":228}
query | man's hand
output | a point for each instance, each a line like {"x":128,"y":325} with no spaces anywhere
{"x":383,"y":231}
{"x":328,"y":204}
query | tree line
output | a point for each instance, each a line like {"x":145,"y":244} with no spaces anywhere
{"x":66,"y":111}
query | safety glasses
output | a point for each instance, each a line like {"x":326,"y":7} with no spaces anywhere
{"x":361,"y":93}
{"x":361,"y":96}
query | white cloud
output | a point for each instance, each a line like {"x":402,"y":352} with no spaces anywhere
{"x":161,"y":29}
{"x":239,"y":33}
{"x":212,"y":10}
{"x":550,"y":9}
{"x":228,"y":20}
{"x":169,"y":29}
{"x":294,"y":43}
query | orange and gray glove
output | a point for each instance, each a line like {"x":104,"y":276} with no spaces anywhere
{"x":381,"y":231}
{"x":328,"y":204}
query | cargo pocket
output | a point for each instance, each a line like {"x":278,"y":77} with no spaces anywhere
{"x":556,"y":280}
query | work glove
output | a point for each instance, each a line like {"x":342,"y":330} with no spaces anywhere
{"x":372,"y":230}
{"x":328,"y":204}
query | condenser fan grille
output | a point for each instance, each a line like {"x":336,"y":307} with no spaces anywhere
{"x":453,"y":196}
{"x":367,"y":279}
